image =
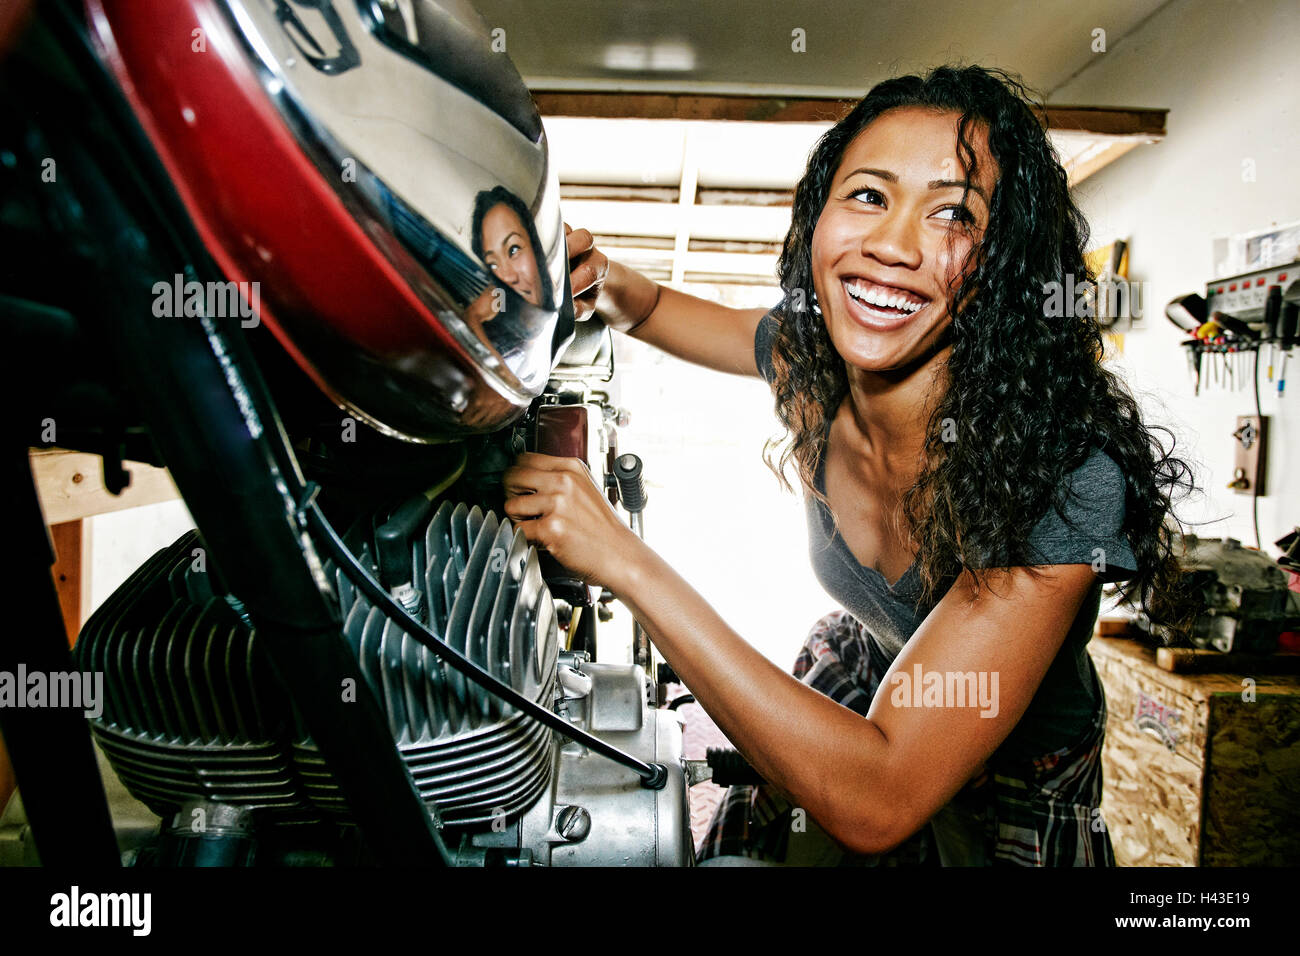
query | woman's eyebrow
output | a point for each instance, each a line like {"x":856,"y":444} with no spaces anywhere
{"x":884,"y":174}
{"x":889,"y":177}
{"x":959,"y":184}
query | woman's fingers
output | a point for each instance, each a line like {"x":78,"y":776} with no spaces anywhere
{"x":542,"y":462}
{"x":525,"y":507}
{"x":547,"y":462}
{"x":577,"y":240}
{"x":560,"y":507}
{"x":534,"y":472}
{"x":588,"y":268}
{"x":588,"y":275}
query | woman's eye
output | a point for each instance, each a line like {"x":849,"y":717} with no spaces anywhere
{"x":874,"y":194}
{"x":492,"y":267}
{"x":959,"y":214}
{"x":514,"y":250}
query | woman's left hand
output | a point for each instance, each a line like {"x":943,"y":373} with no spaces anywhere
{"x":556,"y":502}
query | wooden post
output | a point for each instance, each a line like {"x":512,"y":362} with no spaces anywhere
{"x":71,"y":576}
{"x":6,"y":777}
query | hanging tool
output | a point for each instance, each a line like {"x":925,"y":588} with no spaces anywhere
{"x":1206,"y":332}
{"x":1193,"y":347}
{"x":1236,"y":326}
{"x":1234,"y":337}
{"x":1188,"y":312}
{"x":1110,"y":280}
{"x":1272,"y":311}
{"x":1286,"y":339}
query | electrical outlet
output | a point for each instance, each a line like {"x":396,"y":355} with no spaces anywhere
{"x":1250,"y":462}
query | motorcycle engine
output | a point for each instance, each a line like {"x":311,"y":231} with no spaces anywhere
{"x":197,"y":728}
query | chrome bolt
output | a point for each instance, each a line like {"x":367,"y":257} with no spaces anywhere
{"x":573,"y":823}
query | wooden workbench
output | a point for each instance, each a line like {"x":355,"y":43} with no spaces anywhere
{"x":1201,"y":769}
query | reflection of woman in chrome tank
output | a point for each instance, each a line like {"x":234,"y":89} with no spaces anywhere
{"x":504,"y":238}
{"x":972,"y":473}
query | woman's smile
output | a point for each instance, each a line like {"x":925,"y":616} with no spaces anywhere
{"x":881,"y":307}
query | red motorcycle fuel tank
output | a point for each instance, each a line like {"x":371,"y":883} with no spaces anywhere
{"x":376,"y":185}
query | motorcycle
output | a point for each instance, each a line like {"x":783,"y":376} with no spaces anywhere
{"x":308,"y":256}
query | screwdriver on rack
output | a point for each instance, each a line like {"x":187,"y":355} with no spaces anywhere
{"x":1205,"y":333}
{"x":1241,"y":339}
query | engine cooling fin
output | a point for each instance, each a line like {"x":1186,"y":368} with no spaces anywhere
{"x":193,"y":710}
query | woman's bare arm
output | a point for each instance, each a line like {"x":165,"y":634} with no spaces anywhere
{"x":687,"y":326}
{"x":869,"y":782}
{"x":703,"y":332}
{"x":872,"y":781}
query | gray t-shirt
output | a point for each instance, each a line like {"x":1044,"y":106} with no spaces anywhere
{"x":1070,"y":695}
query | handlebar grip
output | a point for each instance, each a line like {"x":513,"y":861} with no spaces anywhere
{"x":730,"y":768}
{"x":631,"y":488}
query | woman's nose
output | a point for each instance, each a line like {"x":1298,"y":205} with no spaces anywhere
{"x":506,"y":270}
{"x":893,"y":240}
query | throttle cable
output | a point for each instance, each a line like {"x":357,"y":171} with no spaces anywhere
{"x":653,"y":775}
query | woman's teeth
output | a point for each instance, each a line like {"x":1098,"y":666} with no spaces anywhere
{"x":879,"y":297}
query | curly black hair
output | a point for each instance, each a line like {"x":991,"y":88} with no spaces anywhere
{"x":1020,"y":409}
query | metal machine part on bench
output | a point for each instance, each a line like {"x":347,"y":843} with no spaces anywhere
{"x":1245,"y":602}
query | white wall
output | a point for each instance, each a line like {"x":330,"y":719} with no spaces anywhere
{"x":121,"y":541}
{"x":1228,"y":71}
{"x":715,"y":511}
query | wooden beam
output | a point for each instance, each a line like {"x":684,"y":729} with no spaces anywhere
{"x":736,"y":246}
{"x":6,"y":777}
{"x":614,"y":193}
{"x":71,"y":572}
{"x":1078,"y":172}
{"x":1142,"y":124}
{"x":71,"y":485}
{"x":1110,"y":121}
{"x":753,"y":109}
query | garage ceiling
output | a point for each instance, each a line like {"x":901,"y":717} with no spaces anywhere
{"x":708,"y":201}
{"x":745,"y":45}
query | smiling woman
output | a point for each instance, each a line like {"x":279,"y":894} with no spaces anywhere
{"x":951,"y":439}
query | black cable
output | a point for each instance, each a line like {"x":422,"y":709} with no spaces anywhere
{"x":653,"y":776}
{"x":1254,"y":489}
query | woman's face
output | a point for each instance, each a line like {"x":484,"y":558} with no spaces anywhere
{"x":887,"y":253}
{"x":509,"y":254}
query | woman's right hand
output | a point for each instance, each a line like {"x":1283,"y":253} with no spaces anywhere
{"x":622,"y":296}
{"x":697,"y":330}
